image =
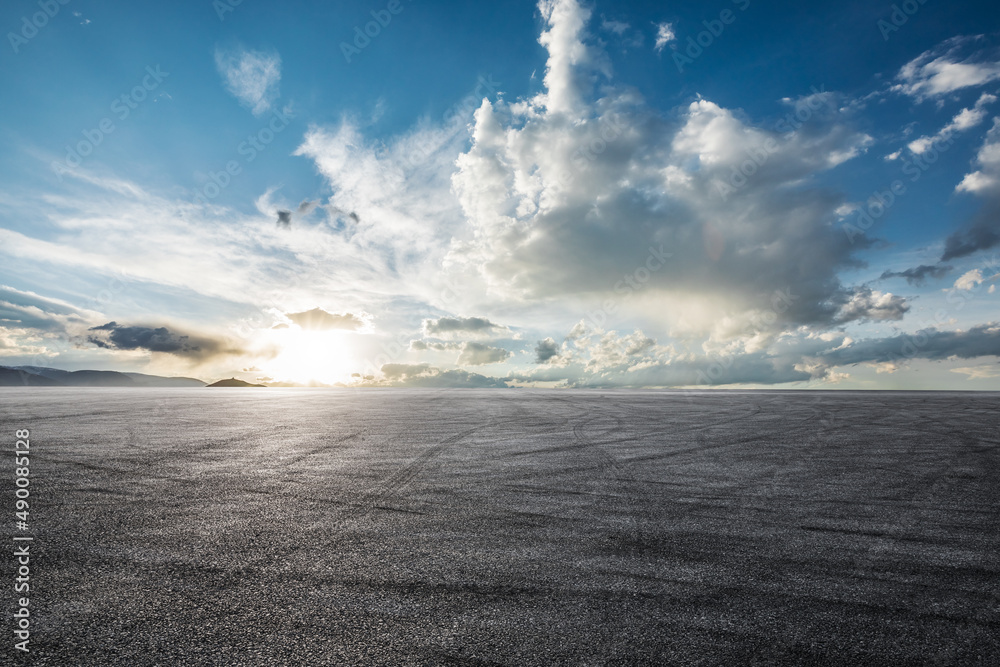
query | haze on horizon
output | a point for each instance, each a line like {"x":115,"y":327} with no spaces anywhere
{"x":559,"y":193}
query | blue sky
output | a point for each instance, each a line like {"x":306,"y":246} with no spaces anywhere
{"x":542,"y":193}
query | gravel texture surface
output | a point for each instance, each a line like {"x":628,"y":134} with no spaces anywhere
{"x":507,"y":527}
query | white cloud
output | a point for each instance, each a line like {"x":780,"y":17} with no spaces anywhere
{"x":871,"y":305}
{"x":982,"y":231}
{"x":664,"y":35}
{"x":978,"y":372}
{"x":969,"y":280}
{"x":945,"y":69}
{"x":566,"y":81}
{"x":557,"y":208}
{"x":565,"y":193}
{"x":987,"y":177}
{"x":542,"y":210}
{"x":252,"y":77}
{"x":965,"y":120}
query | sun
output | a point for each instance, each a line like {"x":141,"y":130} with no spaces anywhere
{"x":310,"y":356}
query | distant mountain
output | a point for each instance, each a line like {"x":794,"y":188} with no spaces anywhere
{"x":12,"y":377}
{"x":233,"y":382}
{"x":157,"y":381}
{"x":39,"y":376}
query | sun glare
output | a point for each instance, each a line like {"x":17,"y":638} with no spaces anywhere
{"x":311,"y":356}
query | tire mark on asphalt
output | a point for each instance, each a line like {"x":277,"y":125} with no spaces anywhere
{"x":326,"y":447}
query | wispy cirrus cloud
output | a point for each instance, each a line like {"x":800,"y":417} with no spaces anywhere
{"x":953,"y":65}
{"x":250,"y":76}
{"x":966,"y":119}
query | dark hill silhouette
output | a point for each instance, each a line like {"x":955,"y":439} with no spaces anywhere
{"x":233,"y":382}
{"x":142,"y":380}
{"x":39,"y":376}
{"x":12,"y":377}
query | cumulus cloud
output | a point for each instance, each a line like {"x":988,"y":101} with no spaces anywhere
{"x":250,"y":76}
{"x":969,"y":280}
{"x":947,"y":68}
{"x":983,"y":231}
{"x":480,"y":354}
{"x":985,"y":180}
{"x":36,"y":328}
{"x":664,"y":35}
{"x":18,"y":343}
{"x":285,"y":219}
{"x":425,"y":375}
{"x":918,"y":275}
{"x":550,"y":213}
{"x":472,"y":353}
{"x":546,"y":351}
{"x":114,"y":336}
{"x":567,"y":80}
{"x":398,"y":371}
{"x":318,"y":319}
{"x":536,"y":209}
{"x":607,"y":359}
{"x":421,"y":345}
{"x":866,"y":304}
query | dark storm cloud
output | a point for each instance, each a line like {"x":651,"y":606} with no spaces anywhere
{"x":318,"y":319}
{"x":285,"y":219}
{"x":979,"y":341}
{"x":982,"y":234}
{"x":451,"y":325}
{"x":919,"y":274}
{"x":546,"y":350}
{"x":114,"y":336}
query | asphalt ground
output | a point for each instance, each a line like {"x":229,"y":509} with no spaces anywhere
{"x":506,"y":527}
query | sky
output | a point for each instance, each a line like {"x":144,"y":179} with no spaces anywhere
{"x":555,"y":193}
